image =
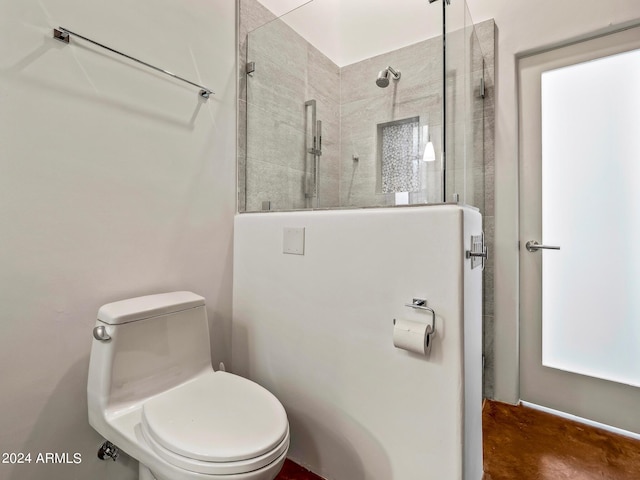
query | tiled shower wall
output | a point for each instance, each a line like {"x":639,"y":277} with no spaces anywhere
{"x":290,"y":71}
{"x":483,"y":142}
{"x":364,"y":105}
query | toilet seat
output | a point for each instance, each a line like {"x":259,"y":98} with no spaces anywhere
{"x":218,"y":423}
{"x":217,"y":468}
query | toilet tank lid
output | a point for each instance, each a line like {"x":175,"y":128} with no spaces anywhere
{"x":139,"y":308}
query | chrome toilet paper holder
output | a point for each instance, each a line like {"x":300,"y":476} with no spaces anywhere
{"x":421,"y":304}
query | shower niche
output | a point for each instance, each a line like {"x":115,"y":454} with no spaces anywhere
{"x":328,"y":119}
{"x":404,"y":156}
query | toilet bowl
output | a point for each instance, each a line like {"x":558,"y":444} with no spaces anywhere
{"x":152,"y":392}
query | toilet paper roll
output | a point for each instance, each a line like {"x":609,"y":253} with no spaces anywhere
{"x":410,"y":335}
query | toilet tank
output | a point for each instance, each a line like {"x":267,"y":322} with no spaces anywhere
{"x":157,"y":342}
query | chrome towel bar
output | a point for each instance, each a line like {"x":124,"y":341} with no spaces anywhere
{"x":63,"y":34}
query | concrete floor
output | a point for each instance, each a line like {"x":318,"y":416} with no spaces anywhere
{"x":293,"y":471}
{"x":525,"y":444}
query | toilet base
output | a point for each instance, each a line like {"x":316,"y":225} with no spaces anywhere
{"x":269,"y":472}
{"x":144,"y":473}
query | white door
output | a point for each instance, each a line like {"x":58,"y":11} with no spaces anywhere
{"x":580,"y":191}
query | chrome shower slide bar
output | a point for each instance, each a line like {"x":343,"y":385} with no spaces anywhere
{"x":63,"y":34}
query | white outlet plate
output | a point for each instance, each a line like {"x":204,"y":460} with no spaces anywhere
{"x":293,"y":241}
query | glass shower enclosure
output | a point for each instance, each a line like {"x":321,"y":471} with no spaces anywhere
{"x":349,"y":105}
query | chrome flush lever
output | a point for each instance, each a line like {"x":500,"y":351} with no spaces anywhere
{"x":100,"y":333}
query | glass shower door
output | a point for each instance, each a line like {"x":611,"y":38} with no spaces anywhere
{"x":464,"y":167}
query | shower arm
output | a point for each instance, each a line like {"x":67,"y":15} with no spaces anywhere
{"x":395,"y":73}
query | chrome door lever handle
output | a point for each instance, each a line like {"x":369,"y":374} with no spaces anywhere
{"x":534,"y":246}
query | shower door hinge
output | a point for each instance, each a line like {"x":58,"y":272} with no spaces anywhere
{"x":250,"y":67}
{"x":478,"y":253}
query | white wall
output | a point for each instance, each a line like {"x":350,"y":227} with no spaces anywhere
{"x":114,"y":182}
{"x":350,"y":31}
{"x":317,"y":331}
{"x":524,"y":27}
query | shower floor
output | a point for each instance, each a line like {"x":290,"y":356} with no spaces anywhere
{"x":525,"y":444}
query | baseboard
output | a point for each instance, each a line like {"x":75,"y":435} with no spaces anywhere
{"x":585,"y":421}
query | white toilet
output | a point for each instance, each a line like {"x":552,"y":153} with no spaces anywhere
{"x":152,"y":392}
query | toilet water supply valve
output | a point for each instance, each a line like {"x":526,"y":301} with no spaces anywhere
{"x":108,"y":449}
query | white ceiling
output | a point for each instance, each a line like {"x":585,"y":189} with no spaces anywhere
{"x":348,"y":31}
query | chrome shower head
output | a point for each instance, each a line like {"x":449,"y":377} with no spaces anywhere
{"x":383,"y":77}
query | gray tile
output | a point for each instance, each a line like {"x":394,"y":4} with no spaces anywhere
{"x":489,"y":183}
{"x":241,"y":128}
{"x":280,"y":56}
{"x":278,"y":102}
{"x":329,"y":190}
{"x":428,"y":107}
{"x":242,"y":184}
{"x":419,"y":65}
{"x":323,"y":75}
{"x":357,"y":81}
{"x":455,"y":182}
{"x":365,"y":167}
{"x":253,"y":15}
{"x":489,"y":164}
{"x":366,"y":113}
{"x":267,"y":91}
{"x":368,"y":105}
{"x":273,"y":140}
{"x":489,"y":357}
{"x":282,"y":186}
{"x":367,"y":200}
{"x":265,"y":183}
{"x":476,"y":137}
{"x":330,"y":160}
{"x":356,"y":183}
{"x":486,"y":37}
{"x":242,"y":85}
{"x":456,"y":52}
{"x":476,"y":194}
{"x":489,"y":228}
{"x":487,"y":291}
{"x":489,"y":138}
